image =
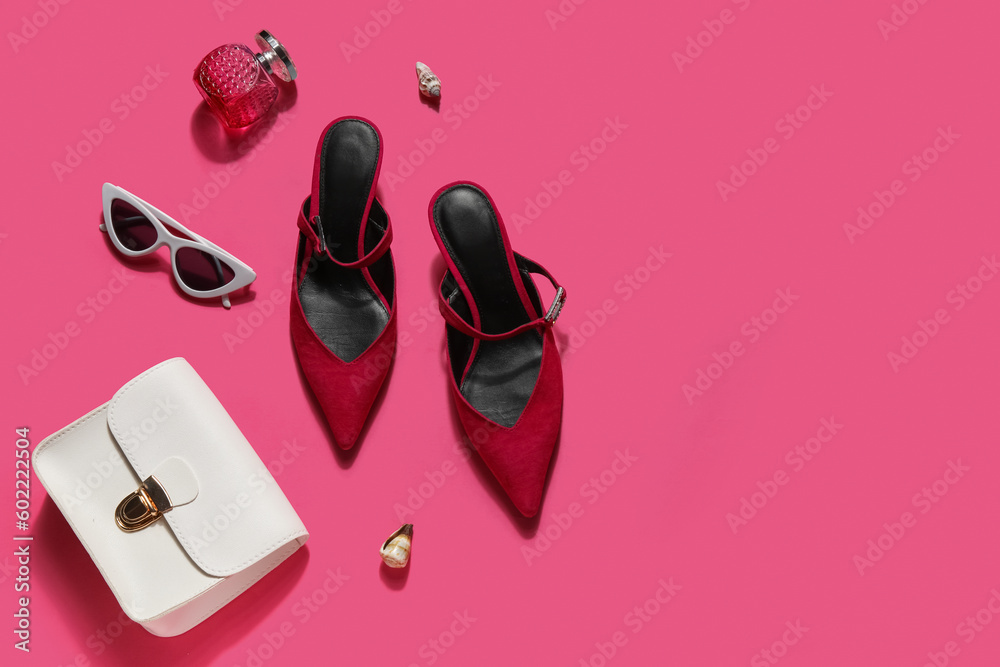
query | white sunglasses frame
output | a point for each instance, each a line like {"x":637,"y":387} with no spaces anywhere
{"x":243,"y":274}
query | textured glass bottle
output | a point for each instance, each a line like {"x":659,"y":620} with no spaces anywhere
{"x":234,"y":80}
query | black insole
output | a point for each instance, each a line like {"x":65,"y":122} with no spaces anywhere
{"x":339,"y":304}
{"x":502,"y":376}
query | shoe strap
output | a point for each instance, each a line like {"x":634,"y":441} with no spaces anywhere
{"x":313,"y":229}
{"x":456,"y":320}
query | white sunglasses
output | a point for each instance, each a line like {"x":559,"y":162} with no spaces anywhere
{"x":201,"y":268}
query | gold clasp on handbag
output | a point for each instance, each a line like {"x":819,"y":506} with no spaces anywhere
{"x":142,"y":507}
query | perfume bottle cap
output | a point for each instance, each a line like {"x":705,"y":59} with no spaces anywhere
{"x":274,"y":56}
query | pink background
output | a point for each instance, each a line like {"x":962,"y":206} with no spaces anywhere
{"x":628,"y":352}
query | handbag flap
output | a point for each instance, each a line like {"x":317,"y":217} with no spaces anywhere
{"x":228,"y":511}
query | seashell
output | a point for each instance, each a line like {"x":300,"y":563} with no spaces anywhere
{"x":395,"y":551}
{"x":430,"y":85}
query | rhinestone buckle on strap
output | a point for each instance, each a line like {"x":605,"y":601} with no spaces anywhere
{"x":556,"y":307}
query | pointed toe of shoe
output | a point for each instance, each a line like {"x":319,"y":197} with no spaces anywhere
{"x":345,"y":391}
{"x":347,"y":401}
{"x":525,"y":484}
{"x":346,"y":427}
{"x":520,"y":456}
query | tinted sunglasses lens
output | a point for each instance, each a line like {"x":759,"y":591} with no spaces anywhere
{"x":202,"y":271}
{"x":131,"y":227}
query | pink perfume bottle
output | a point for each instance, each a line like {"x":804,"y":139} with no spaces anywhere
{"x":234,"y":80}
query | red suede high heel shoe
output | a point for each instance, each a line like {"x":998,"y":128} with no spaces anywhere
{"x":343,"y":317}
{"x":505,"y":368}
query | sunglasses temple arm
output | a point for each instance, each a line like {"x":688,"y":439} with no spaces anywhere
{"x":132,"y":218}
{"x":218,"y":275}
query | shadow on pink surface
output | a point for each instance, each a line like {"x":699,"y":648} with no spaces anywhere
{"x":394,"y":578}
{"x":108,"y":637}
{"x":222,"y":144}
{"x":430,"y":102}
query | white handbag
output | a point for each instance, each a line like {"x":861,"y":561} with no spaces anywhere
{"x":170,"y":500}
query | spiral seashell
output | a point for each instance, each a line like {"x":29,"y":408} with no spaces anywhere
{"x":430,"y":85}
{"x":395,"y":551}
